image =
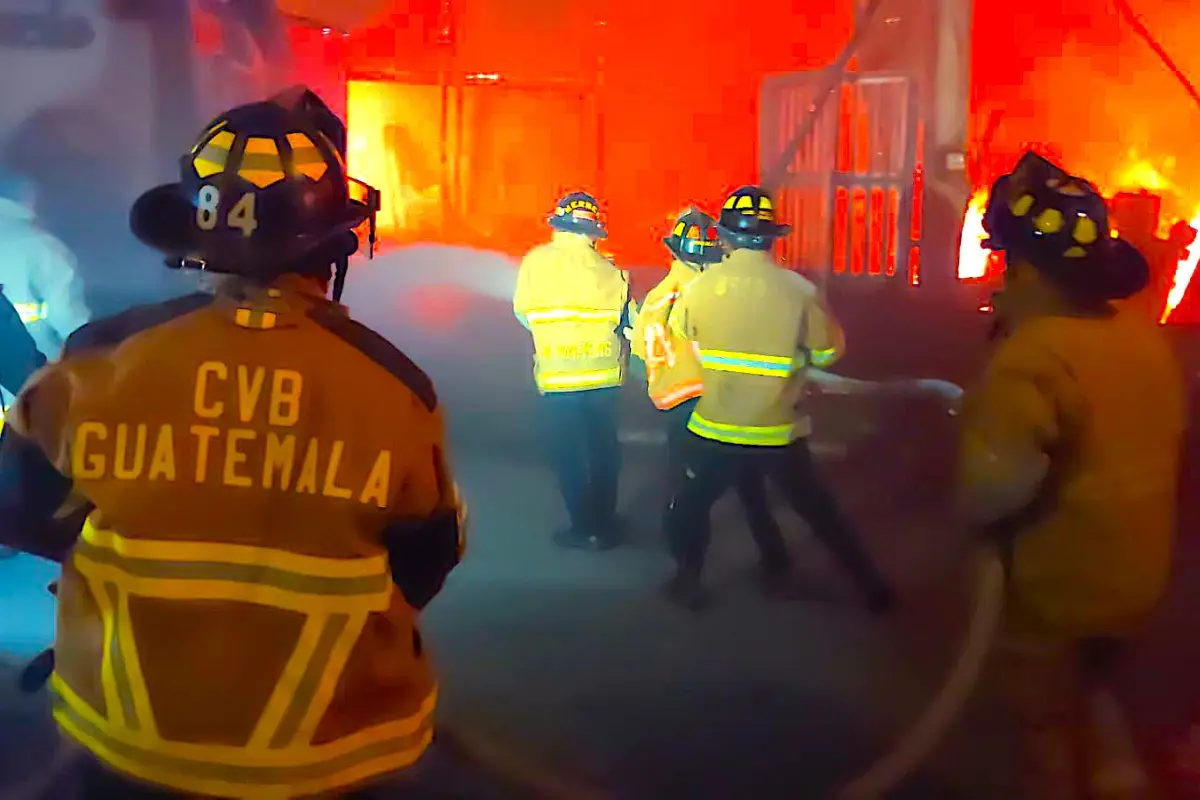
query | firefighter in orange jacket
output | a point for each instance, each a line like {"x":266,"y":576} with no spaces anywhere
{"x":573,"y":301}
{"x":1070,"y":454}
{"x":247,"y":492}
{"x":675,"y":378}
{"x":757,"y":328}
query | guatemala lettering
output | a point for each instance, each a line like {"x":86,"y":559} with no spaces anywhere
{"x":207,"y":451}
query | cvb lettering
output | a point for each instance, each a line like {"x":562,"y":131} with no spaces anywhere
{"x":282,"y":401}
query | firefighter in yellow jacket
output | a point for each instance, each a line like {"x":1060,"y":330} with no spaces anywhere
{"x":247,"y":492}
{"x":675,"y":378}
{"x":1070,"y":453}
{"x":757,"y":328}
{"x":574,"y":302}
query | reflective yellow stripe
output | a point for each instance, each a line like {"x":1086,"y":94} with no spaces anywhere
{"x":337,"y":597}
{"x":761,"y":435}
{"x":747,"y":363}
{"x":204,"y":571}
{"x":823,"y":358}
{"x":30,"y":312}
{"x":224,"y":771}
{"x":677,"y":394}
{"x":575,"y":381}
{"x":572,"y":315}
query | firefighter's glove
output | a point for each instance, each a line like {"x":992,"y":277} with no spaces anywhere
{"x":422,"y":553}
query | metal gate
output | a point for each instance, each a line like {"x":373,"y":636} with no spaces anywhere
{"x":852,"y":190}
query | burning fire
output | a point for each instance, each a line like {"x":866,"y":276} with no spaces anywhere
{"x":1138,"y":173}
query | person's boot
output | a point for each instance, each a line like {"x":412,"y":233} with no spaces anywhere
{"x":686,"y":590}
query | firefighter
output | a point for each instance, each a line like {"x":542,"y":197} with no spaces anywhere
{"x":37,"y":271}
{"x":757,"y":326}
{"x":1070,"y":454}
{"x":674,"y":376}
{"x":19,"y":359}
{"x":574,"y":302}
{"x":19,"y":354}
{"x":247,"y":492}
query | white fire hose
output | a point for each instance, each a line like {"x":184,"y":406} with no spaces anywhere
{"x":918,"y":742}
{"x":912,"y":749}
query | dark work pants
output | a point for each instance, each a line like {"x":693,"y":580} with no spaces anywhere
{"x":712,"y":467}
{"x":749,"y":482}
{"x":581,"y":437}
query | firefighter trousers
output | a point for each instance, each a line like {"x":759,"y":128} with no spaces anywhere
{"x":585,"y":453}
{"x":1074,"y":741}
{"x":749,"y":482}
{"x":710,"y":467}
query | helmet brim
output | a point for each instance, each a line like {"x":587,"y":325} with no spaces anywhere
{"x":713,"y":256}
{"x":1113,"y":270}
{"x":592,"y":229}
{"x":766,"y":230}
{"x":165,"y":220}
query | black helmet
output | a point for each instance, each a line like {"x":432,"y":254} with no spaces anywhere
{"x":748,"y":220}
{"x":578,"y":212}
{"x":694,"y":239}
{"x":263,"y":191}
{"x":1058,"y":223}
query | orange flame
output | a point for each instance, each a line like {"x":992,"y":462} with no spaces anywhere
{"x":972,"y":257}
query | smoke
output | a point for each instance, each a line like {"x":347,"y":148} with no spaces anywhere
{"x":483,"y":273}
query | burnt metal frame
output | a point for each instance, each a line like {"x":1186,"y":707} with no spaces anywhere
{"x":818,"y":154}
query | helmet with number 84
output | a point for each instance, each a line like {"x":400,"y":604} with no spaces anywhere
{"x":263,"y":192}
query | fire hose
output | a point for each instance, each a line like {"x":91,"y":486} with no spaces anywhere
{"x":497,"y":759}
{"x":918,"y":742}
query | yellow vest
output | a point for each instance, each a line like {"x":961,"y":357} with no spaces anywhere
{"x":572,"y":299}
{"x":672,"y":366}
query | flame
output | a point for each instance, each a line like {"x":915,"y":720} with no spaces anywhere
{"x":1140,"y":173}
{"x":1136,"y":173}
{"x":1183,"y":277}
{"x":972,"y":257}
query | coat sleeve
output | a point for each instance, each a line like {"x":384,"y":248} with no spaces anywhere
{"x":522,"y":298}
{"x":38,"y":514}
{"x":56,"y":280}
{"x":637,"y":336}
{"x":682,"y":321}
{"x":821,"y":336}
{"x":427,"y":538}
{"x":19,"y":355}
{"x":1011,"y":420}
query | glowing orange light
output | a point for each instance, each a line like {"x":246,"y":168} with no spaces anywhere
{"x":1183,"y":277}
{"x":972,"y":257}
